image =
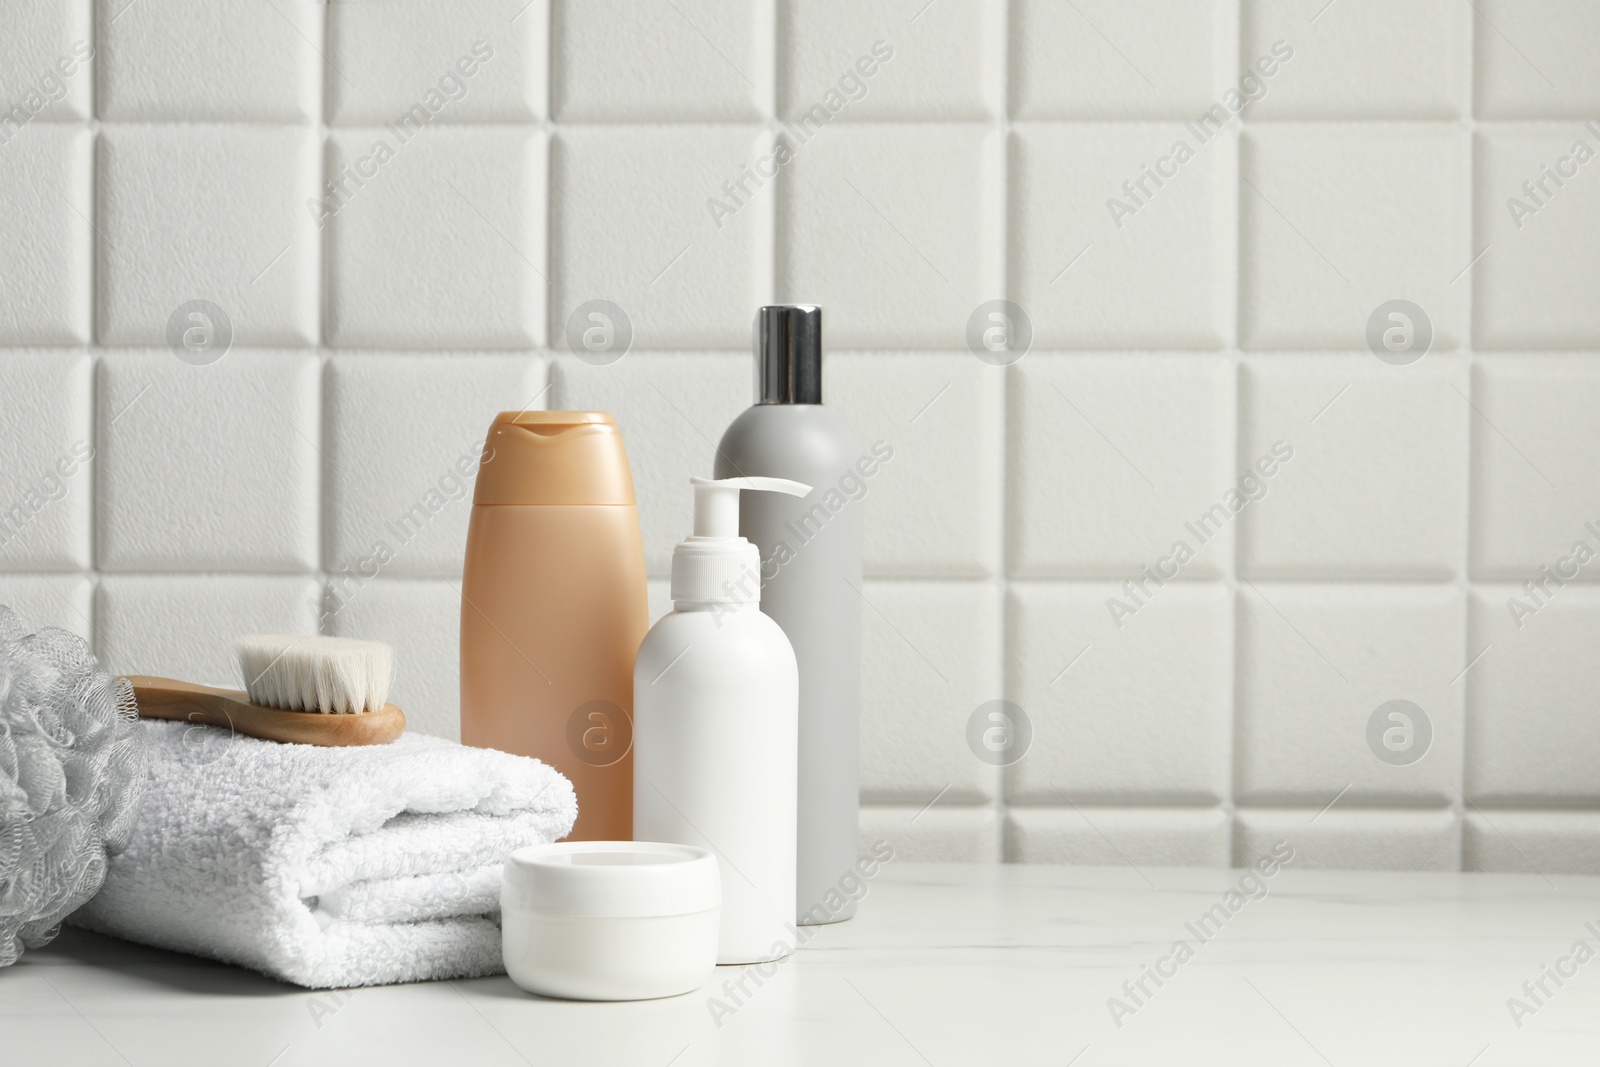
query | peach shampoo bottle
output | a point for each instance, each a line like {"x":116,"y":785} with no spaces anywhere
{"x":553,"y":607}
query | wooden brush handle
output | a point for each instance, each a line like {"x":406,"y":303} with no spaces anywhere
{"x":167,"y":698}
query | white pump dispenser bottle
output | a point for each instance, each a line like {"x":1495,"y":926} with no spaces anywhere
{"x":716,"y":725}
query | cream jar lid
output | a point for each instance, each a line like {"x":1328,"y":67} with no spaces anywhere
{"x":611,"y":879}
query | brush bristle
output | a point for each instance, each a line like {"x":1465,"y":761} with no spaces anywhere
{"x":331,"y":675}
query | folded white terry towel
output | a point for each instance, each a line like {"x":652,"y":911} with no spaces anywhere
{"x":327,"y":867}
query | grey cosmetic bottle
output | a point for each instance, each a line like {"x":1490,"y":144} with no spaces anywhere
{"x":811,"y":581}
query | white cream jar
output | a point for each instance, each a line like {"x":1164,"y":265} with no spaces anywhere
{"x":610,"y":920}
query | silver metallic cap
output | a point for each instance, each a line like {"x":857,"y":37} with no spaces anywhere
{"x":789,"y":354}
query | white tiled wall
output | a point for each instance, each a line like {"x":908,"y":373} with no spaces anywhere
{"x":390,"y":288}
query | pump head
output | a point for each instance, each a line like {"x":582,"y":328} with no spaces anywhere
{"x":716,"y":501}
{"x":715,"y":565}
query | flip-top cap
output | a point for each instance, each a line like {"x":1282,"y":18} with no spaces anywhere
{"x":554,"y":457}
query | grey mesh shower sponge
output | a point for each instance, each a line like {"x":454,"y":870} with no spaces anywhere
{"x":71,"y":776}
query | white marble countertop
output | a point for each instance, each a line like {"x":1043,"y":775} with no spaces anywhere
{"x":944,"y":965}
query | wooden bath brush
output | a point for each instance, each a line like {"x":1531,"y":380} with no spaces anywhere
{"x":308,"y":690}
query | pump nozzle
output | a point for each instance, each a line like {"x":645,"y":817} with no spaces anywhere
{"x":716,"y":501}
{"x":716,"y":565}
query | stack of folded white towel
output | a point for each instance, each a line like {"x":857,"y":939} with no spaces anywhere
{"x":327,"y":867}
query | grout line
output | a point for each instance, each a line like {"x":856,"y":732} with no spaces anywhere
{"x":95,"y":348}
{"x":1231,"y":574}
{"x":1001,"y":803}
{"x":553,"y":293}
{"x":1464,"y":579}
{"x":93,"y":569}
{"x":325,"y":471}
{"x":1385,"y":805}
{"x":773,"y":286}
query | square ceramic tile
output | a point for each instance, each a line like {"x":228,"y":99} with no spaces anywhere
{"x":1128,"y":695}
{"x":46,"y":248}
{"x":940,"y":834}
{"x":455,"y":60}
{"x":933,"y":507}
{"x":1379,"y":59}
{"x":443,"y":244}
{"x":688,"y":61}
{"x":1351,"y":839}
{"x":1122,"y":235}
{"x":404,"y":435}
{"x":1536,"y":59}
{"x":187,"y":626}
{"x":47,"y":59}
{"x":898,"y":260}
{"x":1119,"y":837}
{"x":1538,"y":200}
{"x":1114,"y":59}
{"x":421,"y":621}
{"x":1535,"y":465}
{"x":40,"y":600}
{"x":1532,"y":732}
{"x":210,"y":60}
{"x":1532,"y":842}
{"x":930,"y":659}
{"x":888,"y":60}
{"x":1337,"y":220}
{"x":47,"y":454}
{"x":651,"y":220}
{"x":673,"y":410}
{"x":208,"y":468}
{"x":1116,"y":462}
{"x":214,"y":213}
{"x":1349,"y":691}
{"x":1373,"y":473}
